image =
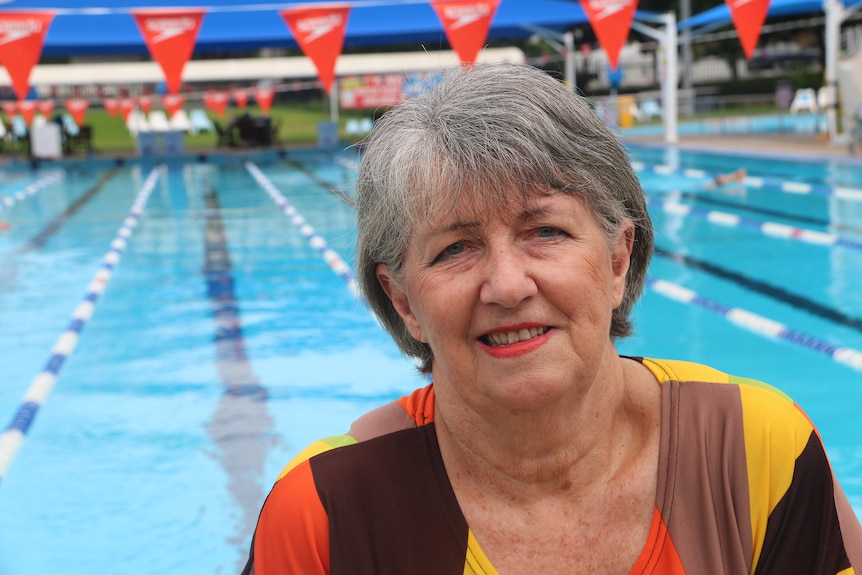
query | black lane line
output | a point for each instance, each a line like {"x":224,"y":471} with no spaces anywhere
{"x":39,"y":240}
{"x":699,"y":198}
{"x":330,"y":187}
{"x":241,"y":426}
{"x":766,"y":289}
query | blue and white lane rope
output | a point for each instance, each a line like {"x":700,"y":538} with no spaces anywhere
{"x":803,"y":188}
{"x":30,"y":190}
{"x":773,"y":229}
{"x":759,"y":324}
{"x":333,"y":260}
{"x":12,"y":439}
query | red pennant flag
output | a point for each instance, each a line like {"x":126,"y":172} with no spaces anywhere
{"x":748,"y":18}
{"x":111,"y":105}
{"x":22,"y":35}
{"x":77,"y":107}
{"x":170,"y":35}
{"x":320,"y":34}
{"x":264,"y":97}
{"x":46,"y":107}
{"x":172,"y":103}
{"x":27,"y":108}
{"x":466,"y":23}
{"x":216,"y":102}
{"x":240,"y":96}
{"x":126,"y":107}
{"x":611,"y":21}
{"x":145,"y":103}
{"x":9,"y":107}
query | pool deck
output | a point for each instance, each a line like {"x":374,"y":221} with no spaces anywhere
{"x":801,"y":146}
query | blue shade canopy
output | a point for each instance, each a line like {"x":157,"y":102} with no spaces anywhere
{"x":233,"y":25}
{"x":777,"y":8}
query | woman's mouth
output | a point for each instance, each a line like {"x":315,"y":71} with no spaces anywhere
{"x":501,"y":338}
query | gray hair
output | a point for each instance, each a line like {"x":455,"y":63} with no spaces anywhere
{"x":497,"y":134}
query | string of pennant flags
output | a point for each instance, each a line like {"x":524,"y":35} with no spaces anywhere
{"x":170,"y":33}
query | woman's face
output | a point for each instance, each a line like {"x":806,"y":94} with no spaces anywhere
{"x":516,"y":308}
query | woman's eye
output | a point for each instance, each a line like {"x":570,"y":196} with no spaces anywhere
{"x":453,"y":250}
{"x":547,"y":232}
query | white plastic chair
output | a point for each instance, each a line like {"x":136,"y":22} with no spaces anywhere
{"x":365,"y":125}
{"x":805,"y":98}
{"x":158,"y":121}
{"x":70,"y":126}
{"x":137,"y":123}
{"x":650,"y":109}
{"x":180,"y":121}
{"x":351,"y":128}
{"x":200,"y":121}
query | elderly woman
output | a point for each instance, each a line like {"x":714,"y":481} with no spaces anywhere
{"x":503,"y":240}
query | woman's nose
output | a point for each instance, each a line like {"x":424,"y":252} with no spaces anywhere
{"x":507,"y":279}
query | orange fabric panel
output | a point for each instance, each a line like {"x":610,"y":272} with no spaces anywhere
{"x":420,"y":405}
{"x":293,"y":529}
{"x":659,"y":554}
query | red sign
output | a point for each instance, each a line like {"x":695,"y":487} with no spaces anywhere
{"x":145,"y":102}
{"x":611,"y":21}
{"x":320,"y":34}
{"x":466,"y":23}
{"x":27,"y":108}
{"x":264,"y":97}
{"x":170,"y":35}
{"x":216,"y":102}
{"x":46,"y":107}
{"x":172,"y":103}
{"x":370,"y":92}
{"x":111,"y":105}
{"x":22,"y":35}
{"x":77,"y":107}
{"x":126,"y":106}
{"x":748,"y":18}
{"x":240,"y":96}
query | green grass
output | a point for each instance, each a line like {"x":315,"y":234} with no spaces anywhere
{"x":297,"y":125}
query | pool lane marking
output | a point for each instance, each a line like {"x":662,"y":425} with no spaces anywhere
{"x":803,"y":188}
{"x":773,"y":229}
{"x":758,"y":324}
{"x":7,"y":201}
{"x":54,"y":225}
{"x":328,"y":186}
{"x":333,"y":260}
{"x":13,"y":437}
{"x":766,"y":289}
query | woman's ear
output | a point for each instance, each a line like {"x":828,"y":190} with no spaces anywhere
{"x":400,"y":302}
{"x":621,"y":259}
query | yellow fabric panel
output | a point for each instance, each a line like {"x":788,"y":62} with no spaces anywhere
{"x":666,"y":370}
{"x":848,"y":571}
{"x":476,"y":562}
{"x":317,"y":448}
{"x":769,"y":457}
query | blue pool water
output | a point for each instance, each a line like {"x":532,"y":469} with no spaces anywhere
{"x":155,"y":449}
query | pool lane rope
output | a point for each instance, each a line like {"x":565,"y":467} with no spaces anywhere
{"x":332,"y":259}
{"x":758,"y":324}
{"x":801,"y":188}
{"x":772,"y":229}
{"x":13,"y":437}
{"x":10,"y":200}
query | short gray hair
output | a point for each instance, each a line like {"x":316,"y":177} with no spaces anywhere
{"x":498,"y":134}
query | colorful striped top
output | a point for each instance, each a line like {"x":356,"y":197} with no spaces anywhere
{"x":378,"y":500}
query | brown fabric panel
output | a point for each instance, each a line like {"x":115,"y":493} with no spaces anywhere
{"x":851,"y":528}
{"x":803,"y":534}
{"x":705,"y":502}
{"x":387,"y":418}
{"x":391,"y":508}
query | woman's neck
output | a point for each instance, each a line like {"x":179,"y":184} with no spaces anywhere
{"x":577,"y":441}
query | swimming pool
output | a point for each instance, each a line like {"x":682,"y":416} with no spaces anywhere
{"x":228,"y":336}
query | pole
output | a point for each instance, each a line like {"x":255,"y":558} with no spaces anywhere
{"x":834,"y":14}
{"x":569,"y":43}
{"x":668,"y":87}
